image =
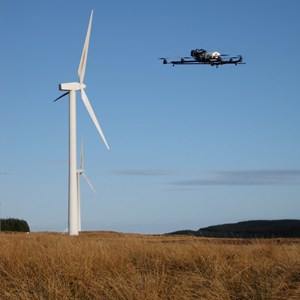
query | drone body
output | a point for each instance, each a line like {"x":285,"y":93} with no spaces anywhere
{"x":201,"y":56}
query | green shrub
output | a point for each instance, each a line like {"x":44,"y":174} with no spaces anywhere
{"x":12,"y":224}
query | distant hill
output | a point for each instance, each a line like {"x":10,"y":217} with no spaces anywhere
{"x":249,"y":229}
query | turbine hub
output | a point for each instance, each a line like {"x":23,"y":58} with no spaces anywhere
{"x":80,"y":171}
{"x":71,"y":86}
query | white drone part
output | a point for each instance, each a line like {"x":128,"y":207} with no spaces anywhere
{"x":215,"y":54}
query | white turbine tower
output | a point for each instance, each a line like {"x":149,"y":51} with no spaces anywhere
{"x":81,"y":172}
{"x":71,"y":89}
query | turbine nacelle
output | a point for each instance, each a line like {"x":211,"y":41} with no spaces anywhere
{"x":71,"y":86}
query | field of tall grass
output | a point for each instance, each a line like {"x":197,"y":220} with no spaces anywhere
{"x":114,"y":266}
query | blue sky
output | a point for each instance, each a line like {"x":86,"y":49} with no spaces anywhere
{"x":191,"y":146}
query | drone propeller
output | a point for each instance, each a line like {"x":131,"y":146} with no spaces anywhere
{"x":177,"y":57}
{"x":164,"y":59}
{"x":182,"y":57}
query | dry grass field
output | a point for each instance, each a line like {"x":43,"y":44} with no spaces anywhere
{"x":115,"y":266}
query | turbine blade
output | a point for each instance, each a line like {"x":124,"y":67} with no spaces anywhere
{"x":81,"y":155}
{"x":82,"y":64}
{"x":65,"y":94}
{"x":93,"y":116}
{"x":88,"y":182}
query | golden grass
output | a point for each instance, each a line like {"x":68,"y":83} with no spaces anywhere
{"x":122,"y":266}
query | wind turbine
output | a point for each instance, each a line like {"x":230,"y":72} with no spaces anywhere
{"x":71,"y":88}
{"x":81,"y":172}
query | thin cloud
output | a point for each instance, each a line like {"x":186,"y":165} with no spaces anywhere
{"x":56,"y":162}
{"x":144,"y":172}
{"x":6,"y":172}
{"x":246,"y":177}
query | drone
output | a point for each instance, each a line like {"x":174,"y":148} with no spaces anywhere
{"x":201,"y":56}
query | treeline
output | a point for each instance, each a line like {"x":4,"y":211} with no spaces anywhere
{"x":250,"y":229}
{"x":12,"y":224}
